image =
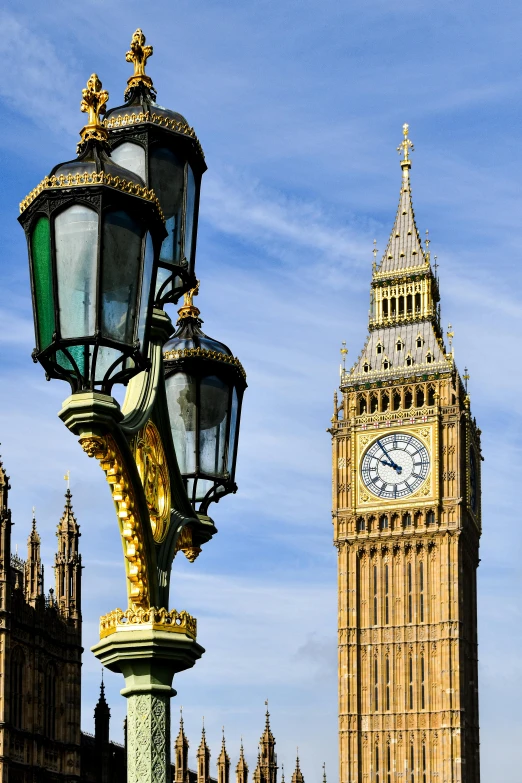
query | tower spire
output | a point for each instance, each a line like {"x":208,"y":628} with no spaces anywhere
{"x":404,"y":249}
{"x":181,"y":747}
{"x":203,"y":757}
{"x":33,"y":567}
{"x":68,"y":562}
{"x":297,"y":777}
{"x":223,"y":762}
{"x":242,"y":766}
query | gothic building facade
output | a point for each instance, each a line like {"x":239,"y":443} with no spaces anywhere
{"x":407,"y":523}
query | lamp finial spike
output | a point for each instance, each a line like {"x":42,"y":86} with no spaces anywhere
{"x":93,"y":104}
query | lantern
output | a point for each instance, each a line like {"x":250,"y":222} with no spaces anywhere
{"x":205,"y":386}
{"x":160,"y":146}
{"x":94,"y":233}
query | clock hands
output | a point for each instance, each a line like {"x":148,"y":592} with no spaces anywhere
{"x":391,"y":463}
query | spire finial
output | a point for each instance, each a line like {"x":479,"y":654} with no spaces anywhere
{"x":374,"y":251}
{"x":324,"y":772}
{"x":344,"y":353}
{"x":405,"y":146}
{"x":93,"y":104}
{"x":282,"y":773}
{"x":189,"y":309}
{"x":465,"y":378}
{"x":138,"y":56}
{"x":67,"y":478}
{"x":450,"y":334}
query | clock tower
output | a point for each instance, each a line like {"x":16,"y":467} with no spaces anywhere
{"x":407,"y":521}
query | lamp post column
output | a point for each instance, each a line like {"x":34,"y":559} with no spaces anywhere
{"x":148,"y":659}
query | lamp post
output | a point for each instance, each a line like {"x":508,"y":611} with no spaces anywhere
{"x":111,"y":240}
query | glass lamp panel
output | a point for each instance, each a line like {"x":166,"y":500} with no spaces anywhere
{"x":131,"y":156}
{"x":161,"y":277}
{"x":181,"y":397}
{"x":105,"y":358}
{"x":76,"y":241}
{"x":189,"y":214}
{"x":166,"y":179}
{"x":233,"y":431}
{"x":213,"y":425}
{"x":79,"y":354}
{"x":121,"y":262}
{"x":146,"y":281}
{"x":42,"y":281}
{"x":202,"y":487}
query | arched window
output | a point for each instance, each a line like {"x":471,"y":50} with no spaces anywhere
{"x":375,"y":684}
{"x":410,"y":594}
{"x":374,"y":403}
{"x":385,"y":308}
{"x":409,"y":304}
{"x":375,"y":595}
{"x":50,"y":702}
{"x":419,"y":341}
{"x":396,"y":401}
{"x":385,"y":401}
{"x":408,"y":399}
{"x":388,"y":765}
{"x":377,"y":771}
{"x":421,"y":591}
{"x":406,"y":519}
{"x":417,"y":303}
{"x":362,"y":404}
{"x":410,"y":688}
{"x":422,"y":684}
{"x":431,"y":396}
{"x":386,"y":364}
{"x":412,"y":764}
{"x":17,"y":680}
{"x":383,"y":522}
{"x":429,"y":358}
{"x":379,"y":348}
{"x":423,"y":762}
{"x":409,"y":361}
{"x":399,"y":345}
{"x":430,"y":517}
{"x":361,"y":524}
{"x":393,"y":306}
{"x":371,"y":524}
{"x":366,"y":367}
{"x":386,"y":595}
{"x":387,"y":683}
{"x":401,"y":305}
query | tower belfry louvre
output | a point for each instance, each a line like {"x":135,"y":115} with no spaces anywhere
{"x":407,"y":522}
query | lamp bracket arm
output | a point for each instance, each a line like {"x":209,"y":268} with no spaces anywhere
{"x":142,"y":390}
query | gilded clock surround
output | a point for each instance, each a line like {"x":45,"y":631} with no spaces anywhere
{"x":407,"y":633}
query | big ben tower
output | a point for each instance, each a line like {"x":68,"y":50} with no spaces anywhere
{"x":406,"y":511}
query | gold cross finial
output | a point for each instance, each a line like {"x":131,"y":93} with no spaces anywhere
{"x":405,"y":146}
{"x":450,"y":334}
{"x":466,"y":378}
{"x":67,"y":478}
{"x":93,"y":104}
{"x":138,"y":55}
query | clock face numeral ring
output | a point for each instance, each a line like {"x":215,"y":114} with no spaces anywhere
{"x":395,"y":465}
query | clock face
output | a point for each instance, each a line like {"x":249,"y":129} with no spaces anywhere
{"x":395,"y":465}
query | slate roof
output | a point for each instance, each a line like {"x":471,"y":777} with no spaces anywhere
{"x":388,"y":338}
{"x":404,"y":249}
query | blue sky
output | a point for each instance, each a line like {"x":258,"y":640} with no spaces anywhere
{"x":299,"y":106}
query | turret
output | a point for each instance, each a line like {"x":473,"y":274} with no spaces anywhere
{"x":102,"y":717}
{"x":242,"y":767}
{"x":203,"y":757}
{"x":33,"y":568}
{"x":223,"y":763}
{"x":5,"y":539}
{"x":268,"y":759}
{"x":68,"y":564}
{"x":297,"y":777}
{"x":181,"y":747}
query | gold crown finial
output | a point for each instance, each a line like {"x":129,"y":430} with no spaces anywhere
{"x":189,"y":310}
{"x":138,"y":54}
{"x":93,"y":104}
{"x":405,"y":146}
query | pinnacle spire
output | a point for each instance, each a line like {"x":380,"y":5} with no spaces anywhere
{"x":404,"y":249}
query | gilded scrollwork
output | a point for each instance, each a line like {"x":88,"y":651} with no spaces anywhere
{"x":153,"y":469}
{"x":106,"y":451}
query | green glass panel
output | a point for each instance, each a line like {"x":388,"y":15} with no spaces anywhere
{"x":43,"y":285}
{"x":79,"y":353}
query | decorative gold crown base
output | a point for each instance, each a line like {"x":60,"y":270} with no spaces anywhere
{"x":154,"y":619}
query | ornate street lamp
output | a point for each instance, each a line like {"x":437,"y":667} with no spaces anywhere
{"x":160,"y":146}
{"x":94,"y":234}
{"x":205,"y":386}
{"x":103,"y":262}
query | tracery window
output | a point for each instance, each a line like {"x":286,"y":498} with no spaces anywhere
{"x":410,"y":595}
{"x":50,"y":701}
{"x":375,"y":684}
{"x":410,"y":689}
{"x":384,"y":522}
{"x":406,"y":519}
{"x":423,"y":699}
{"x":387,"y":683}
{"x":361,"y":524}
{"x":375,"y":595}
{"x":430,"y":518}
{"x":419,"y":402}
{"x":17,"y":680}
{"x":421,"y":591}
{"x":386,"y":595}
